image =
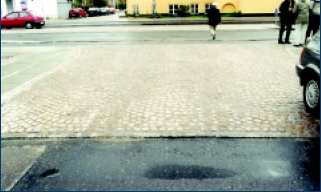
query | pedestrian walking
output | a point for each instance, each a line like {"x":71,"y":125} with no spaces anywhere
{"x":301,"y":8}
{"x":214,"y":18}
{"x":286,"y":20}
{"x":314,"y":19}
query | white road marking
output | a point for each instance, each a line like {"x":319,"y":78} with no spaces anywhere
{"x":17,"y":72}
{"x":9,"y":75}
{"x":5,"y":97}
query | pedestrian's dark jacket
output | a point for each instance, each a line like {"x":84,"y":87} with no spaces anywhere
{"x":214,"y":16}
{"x":286,"y":15}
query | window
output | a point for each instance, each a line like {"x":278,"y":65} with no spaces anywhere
{"x":173,"y":9}
{"x":136,"y":9}
{"x":24,"y":14}
{"x":194,"y":8}
{"x":12,"y":16}
{"x":207,"y":6}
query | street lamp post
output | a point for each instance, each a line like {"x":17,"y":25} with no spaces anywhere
{"x":43,"y":10}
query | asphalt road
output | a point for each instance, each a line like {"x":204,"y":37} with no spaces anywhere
{"x":130,"y":34}
{"x":168,"y":164}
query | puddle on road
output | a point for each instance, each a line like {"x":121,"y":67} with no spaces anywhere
{"x":175,"y":172}
{"x":49,"y":173}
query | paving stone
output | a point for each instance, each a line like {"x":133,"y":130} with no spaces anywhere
{"x":237,"y":90}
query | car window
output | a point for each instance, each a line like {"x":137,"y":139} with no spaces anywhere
{"x":24,"y":14}
{"x":314,"y":44}
{"x":12,"y":15}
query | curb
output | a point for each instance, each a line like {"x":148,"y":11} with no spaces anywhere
{"x":137,"y":23}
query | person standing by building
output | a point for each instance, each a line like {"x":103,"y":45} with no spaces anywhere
{"x":314,"y":19}
{"x":286,"y":20}
{"x":301,"y":8}
{"x":214,"y":18}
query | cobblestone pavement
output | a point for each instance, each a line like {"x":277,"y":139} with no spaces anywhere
{"x":147,"y":90}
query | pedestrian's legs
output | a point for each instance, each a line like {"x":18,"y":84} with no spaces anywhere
{"x":304,"y":28}
{"x":315,"y":30}
{"x":213,"y":31}
{"x":309,"y":30}
{"x":310,"y":26}
{"x":288,"y":32}
{"x":315,"y":24}
{"x":282,"y":28}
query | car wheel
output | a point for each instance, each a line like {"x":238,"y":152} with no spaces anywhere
{"x":28,"y":26}
{"x":311,"y":95}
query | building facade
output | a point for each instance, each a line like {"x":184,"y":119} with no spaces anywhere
{"x":44,"y":8}
{"x":146,"y":7}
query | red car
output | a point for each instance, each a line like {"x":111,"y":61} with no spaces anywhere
{"x":22,"y":19}
{"x":77,"y":12}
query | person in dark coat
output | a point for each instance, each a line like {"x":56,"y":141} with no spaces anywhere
{"x":314,"y":19}
{"x":286,"y":20}
{"x":214,"y":18}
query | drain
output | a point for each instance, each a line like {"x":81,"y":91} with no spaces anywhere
{"x":175,"y":172}
{"x":49,"y":173}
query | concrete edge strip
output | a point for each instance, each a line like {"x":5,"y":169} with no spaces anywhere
{"x":140,"y":134}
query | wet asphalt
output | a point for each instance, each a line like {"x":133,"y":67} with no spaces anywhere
{"x":215,"y":164}
{"x":160,"y":37}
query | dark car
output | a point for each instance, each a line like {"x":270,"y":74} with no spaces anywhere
{"x":22,"y":19}
{"x":77,"y":12}
{"x":308,"y":70}
{"x":94,"y":11}
{"x":99,"y":11}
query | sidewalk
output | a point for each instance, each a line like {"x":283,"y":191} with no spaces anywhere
{"x":115,"y":21}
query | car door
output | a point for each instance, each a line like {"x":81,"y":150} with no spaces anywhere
{"x":23,"y":18}
{"x":10,"y":20}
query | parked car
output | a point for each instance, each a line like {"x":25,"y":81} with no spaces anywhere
{"x":100,"y":11}
{"x":22,"y":19}
{"x":111,"y":10}
{"x":77,"y":12}
{"x":94,"y":11}
{"x":104,"y":11}
{"x":308,"y":70}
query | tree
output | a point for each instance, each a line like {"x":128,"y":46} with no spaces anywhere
{"x":100,"y":3}
{"x":121,"y":5}
{"x":77,"y":3}
{"x":183,"y":10}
